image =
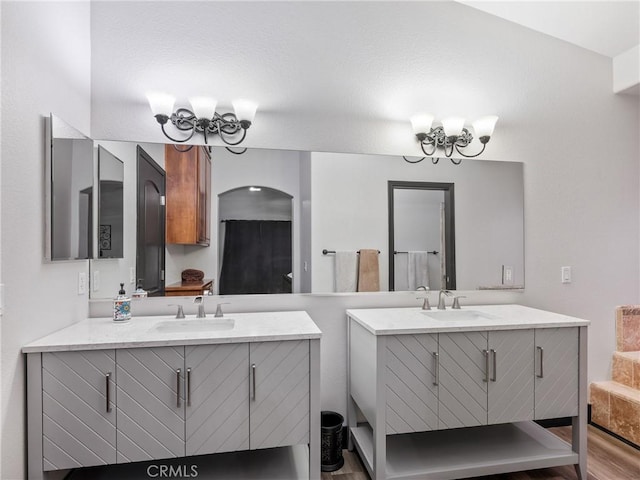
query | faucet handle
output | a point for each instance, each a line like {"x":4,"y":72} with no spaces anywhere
{"x":456,"y":302}
{"x":219,"y":313}
{"x":180,"y":312}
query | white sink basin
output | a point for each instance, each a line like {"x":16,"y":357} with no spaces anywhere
{"x":195,"y":325}
{"x":458,"y":315}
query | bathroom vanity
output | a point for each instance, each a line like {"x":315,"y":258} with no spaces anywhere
{"x":156,"y":388}
{"x":454,"y":394}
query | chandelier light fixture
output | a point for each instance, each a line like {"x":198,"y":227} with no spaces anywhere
{"x":451,"y":136}
{"x":203,"y":118}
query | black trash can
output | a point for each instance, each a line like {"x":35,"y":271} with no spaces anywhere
{"x":331,"y":431}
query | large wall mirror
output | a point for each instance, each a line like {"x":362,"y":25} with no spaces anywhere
{"x":69,"y":192}
{"x":338,"y":202}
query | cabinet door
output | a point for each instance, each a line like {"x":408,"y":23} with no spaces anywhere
{"x":150,"y":403}
{"x":79,"y":420}
{"x":556,"y":382}
{"x":217,"y":411}
{"x":511,"y":379}
{"x":204,"y":197}
{"x":410,"y":378}
{"x":462,"y":397}
{"x":279,"y":403}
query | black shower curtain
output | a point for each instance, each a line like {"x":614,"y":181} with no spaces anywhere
{"x":256,"y":257}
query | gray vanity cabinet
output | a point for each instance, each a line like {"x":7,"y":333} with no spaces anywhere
{"x":279,"y":405}
{"x":411,"y":383}
{"x":556,"y":372}
{"x":150,"y":403}
{"x":217,"y":380}
{"x":79,"y":417}
{"x":486,"y":378}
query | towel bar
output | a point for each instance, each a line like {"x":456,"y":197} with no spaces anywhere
{"x":331,"y":252}
{"x":434,"y":252}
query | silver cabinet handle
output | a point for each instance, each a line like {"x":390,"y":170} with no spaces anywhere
{"x":486,"y":365}
{"x":178,"y":371}
{"x":108,"y":389}
{"x":436,"y":371}
{"x":188,"y":387}
{"x":494,"y":354}
{"x":253,"y":381}
{"x":541,"y":350}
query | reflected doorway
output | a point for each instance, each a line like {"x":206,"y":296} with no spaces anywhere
{"x":150,"y":240}
{"x":421,"y":235}
{"x":255,"y":241}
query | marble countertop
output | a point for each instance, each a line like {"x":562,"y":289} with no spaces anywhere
{"x":391,"y":321}
{"x":160,"y":331}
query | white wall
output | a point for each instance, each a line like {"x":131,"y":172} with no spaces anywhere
{"x":45,"y":68}
{"x":581,"y":193}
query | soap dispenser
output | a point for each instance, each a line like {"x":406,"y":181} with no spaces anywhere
{"x":121,"y":306}
{"x":139,"y":292}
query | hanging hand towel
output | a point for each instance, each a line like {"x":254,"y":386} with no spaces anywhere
{"x":417,"y":270}
{"x":346,"y":271}
{"x":369,"y":273}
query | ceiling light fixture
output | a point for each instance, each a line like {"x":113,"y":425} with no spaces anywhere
{"x":203,"y":118}
{"x":451,"y":136}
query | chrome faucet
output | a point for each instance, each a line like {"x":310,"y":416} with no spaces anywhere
{"x":219,"y":313}
{"x":199,"y":300}
{"x":441,"y":305}
{"x":425,"y":303}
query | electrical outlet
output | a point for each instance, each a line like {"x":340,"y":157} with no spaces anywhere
{"x":82,"y":283}
{"x":566,"y":274}
{"x":96,"y":281}
{"x":507,"y":275}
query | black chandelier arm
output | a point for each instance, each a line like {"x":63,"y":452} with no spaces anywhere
{"x":184,"y":119}
{"x":236,"y":153}
{"x":484,"y":145}
{"x":451,"y":147}
{"x":413,"y":161}
{"x":222,"y":135}
{"x":176,"y":139}
{"x":458,"y":162}
{"x":432,"y":142}
{"x":435,"y":160}
{"x":183,"y":150}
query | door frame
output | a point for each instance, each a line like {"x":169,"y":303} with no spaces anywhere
{"x":449,"y":227}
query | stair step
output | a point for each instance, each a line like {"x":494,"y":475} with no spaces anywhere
{"x":626,"y":369}
{"x":616,"y":407}
{"x":628,"y":328}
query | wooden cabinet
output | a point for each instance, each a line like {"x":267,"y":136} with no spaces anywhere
{"x":188,"y":196}
{"x":79,"y":417}
{"x":188,"y":288}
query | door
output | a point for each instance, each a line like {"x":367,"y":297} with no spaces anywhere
{"x":150,"y":405}
{"x":279,"y":403}
{"x":556,"y":381}
{"x":79,"y":417}
{"x":411,"y":383}
{"x":151,"y":223}
{"x":511,"y":378}
{"x":217,"y":407}
{"x":462,"y":399}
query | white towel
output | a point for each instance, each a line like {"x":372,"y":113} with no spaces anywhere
{"x":417,"y":270}
{"x":346,"y":271}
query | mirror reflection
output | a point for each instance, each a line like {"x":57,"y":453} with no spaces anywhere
{"x":110,"y":205}
{"x":328,"y":201}
{"x":69,"y":192}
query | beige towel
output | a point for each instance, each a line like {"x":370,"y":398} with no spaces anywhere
{"x":368,"y":272}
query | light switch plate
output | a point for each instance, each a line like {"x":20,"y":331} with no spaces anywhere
{"x":566,"y":274}
{"x":507,"y":275}
{"x":82,"y":283}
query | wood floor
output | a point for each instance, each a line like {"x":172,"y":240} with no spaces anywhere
{"x":608,"y":459}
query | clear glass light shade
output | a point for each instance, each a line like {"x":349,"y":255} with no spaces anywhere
{"x":483,"y":126}
{"x":453,"y":126}
{"x":161,"y":103}
{"x":245,"y":109}
{"x":203,"y":107}
{"x":421,"y":123}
